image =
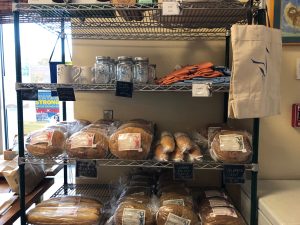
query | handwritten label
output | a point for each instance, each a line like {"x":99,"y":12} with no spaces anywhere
{"x":183,"y":171}
{"x":234,"y":174}
{"x":66,"y":94}
{"x":124,"y":89}
{"x":200,"y":90}
{"x":86,"y":169}
{"x":170,"y":8}
{"x":133,"y":216}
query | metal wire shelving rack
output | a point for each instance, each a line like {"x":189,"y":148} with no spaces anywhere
{"x":206,"y":20}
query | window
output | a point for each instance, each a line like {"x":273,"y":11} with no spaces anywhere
{"x":36,"y":47}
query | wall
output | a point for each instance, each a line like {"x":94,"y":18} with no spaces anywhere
{"x":279,"y":142}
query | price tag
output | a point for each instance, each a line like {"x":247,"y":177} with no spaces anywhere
{"x":183,"y":171}
{"x":124,"y":89}
{"x":170,"y":8}
{"x":200,"y":90}
{"x":66,"y":94}
{"x":86,"y":169}
{"x":30,"y":95}
{"x":234,"y":174}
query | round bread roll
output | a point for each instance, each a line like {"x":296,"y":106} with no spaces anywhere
{"x":130,"y":129}
{"x":160,"y":155}
{"x":220,"y":215}
{"x":237,"y":150}
{"x":183,"y":142}
{"x":167,"y":142}
{"x":131,"y":212}
{"x":78,"y":148}
{"x":170,"y":212}
{"x":177,"y":155}
{"x":45,"y":143}
{"x":175,"y":198}
{"x":68,"y":210}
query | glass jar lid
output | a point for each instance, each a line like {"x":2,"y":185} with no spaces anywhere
{"x":102,"y":58}
{"x":124,"y":58}
{"x":141,"y":59}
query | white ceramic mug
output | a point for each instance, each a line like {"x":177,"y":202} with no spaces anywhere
{"x":67,"y":74}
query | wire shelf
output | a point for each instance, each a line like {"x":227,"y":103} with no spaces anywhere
{"x":112,"y":87}
{"x":201,"y":20}
{"x":110,"y":160}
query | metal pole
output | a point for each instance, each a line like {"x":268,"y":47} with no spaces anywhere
{"x":254,"y":200}
{"x":64,"y":108}
{"x":20,"y":113}
{"x":227,"y":59}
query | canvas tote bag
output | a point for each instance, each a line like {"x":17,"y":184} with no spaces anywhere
{"x":256,"y":68}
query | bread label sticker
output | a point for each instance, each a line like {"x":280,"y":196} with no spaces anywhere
{"x":201,"y":90}
{"x":130,"y":142}
{"x":232,"y":142}
{"x":218,"y":202}
{"x":133,"y":216}
{"x":174,"y":202}
{"x":170,"y":8}
{"x":177,"y":220}
{"x":83,"y":140}
{"x":42,"y":137}
{"x":223,"y":211}
{"x":214,"y":193}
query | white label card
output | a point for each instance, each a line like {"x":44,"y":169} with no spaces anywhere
{"x":133,"y":217}
{"x":170,"y":8}
{"x":232,"y":142}
{"x":174,"y":202}
{"x":218,"y":202}
{"x":176,"y":220}
{"x":83,"y":140}
{"x":213,"y":193}
{"x":223,"y":211}
{"x":43,"y":137}
{"x":130,"y":142}
{"x":200,"y":90}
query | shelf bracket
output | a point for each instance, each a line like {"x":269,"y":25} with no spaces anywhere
{"x":255,"y":167}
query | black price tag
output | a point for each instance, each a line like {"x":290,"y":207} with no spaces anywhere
{"x":124,"y":89}
{"x":86,"y":169}
{"x":30,"y":95}
{"x":183,"y":171}
{"x":66,"y":94}
{"x":234,"y":174}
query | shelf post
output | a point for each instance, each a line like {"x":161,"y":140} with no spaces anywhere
{"x":16,"y":15}
{"x":227,"y":63}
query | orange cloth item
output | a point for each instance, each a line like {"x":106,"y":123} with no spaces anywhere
{"x":190,"y":72}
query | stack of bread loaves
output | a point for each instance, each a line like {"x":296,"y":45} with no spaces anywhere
{"x":177,"y":148}
{"x":68,"y":210}
{"x":132,"y":140}
{"x":215,"y":209}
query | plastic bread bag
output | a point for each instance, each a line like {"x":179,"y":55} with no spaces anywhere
{"x":89,"y":144}
{"x":176,"y":198}
{"x":195,"y":154}
{"x":132,"y":212}
{"x":177,"y":155}
{"x":176,"y":214}
{"x":73,"y":126}
{"x":167,"y":142}
{"x":183,"y":142}
{"x":200,"y":140}
{"x":210,"y":192}
{"x":34,"y":174}
{"x":159,"y":154}
{"x":220,"y":215}
{"x":66,"y":210}
{"x":45,"y":143}
{"x":230,"y":146}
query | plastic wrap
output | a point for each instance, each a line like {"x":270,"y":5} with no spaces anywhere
{"x":212,"y":193}
{"x":160,"y":155}
{"x":195,"y":154}
{"x":133,"y":213}
{"x":167,"y":142}
{"x":45,"y":143}
{"x":183,"y":142}
{"x":231,"y":147}
{"x":73,"y":126}
{"x":89,"y":144}
{"x":68,"y":210}
{"x":176,"y":214}
{"x":200,"y":140}
{"x":132,"y":140}
{"x":177,"y":155}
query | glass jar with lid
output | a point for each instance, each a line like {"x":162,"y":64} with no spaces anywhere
{"x":151,"y":73}
{"x":102,"y":70}
{"x":125,"y":69}
{"x":113,"y":71}
{"x":141,"y":70}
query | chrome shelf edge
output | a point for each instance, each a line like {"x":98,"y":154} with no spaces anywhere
{"x":112,"y":87}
